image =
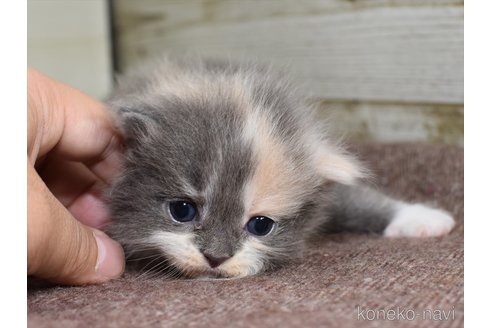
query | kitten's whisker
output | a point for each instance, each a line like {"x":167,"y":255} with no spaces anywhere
{"x":150,"y":262}
{"x":145,"y":272}
{"x":143,"y":258}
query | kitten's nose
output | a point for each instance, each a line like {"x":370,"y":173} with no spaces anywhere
{"x":215,"y":261}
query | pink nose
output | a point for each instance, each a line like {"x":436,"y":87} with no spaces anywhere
{"x":215,"y":261}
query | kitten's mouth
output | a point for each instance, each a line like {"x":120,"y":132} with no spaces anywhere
{"x":207,"y":274}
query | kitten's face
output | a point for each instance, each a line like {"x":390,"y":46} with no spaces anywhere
{"x":221,"y":179}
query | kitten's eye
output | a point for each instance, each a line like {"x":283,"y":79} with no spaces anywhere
{"x":260,"y":225}
{"x":182,"y":211}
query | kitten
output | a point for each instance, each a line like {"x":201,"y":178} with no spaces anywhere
{"x":228,"y":172}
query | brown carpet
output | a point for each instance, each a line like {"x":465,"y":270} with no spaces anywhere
{"x":342,"y":282}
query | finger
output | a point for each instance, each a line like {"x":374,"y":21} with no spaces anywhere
{"x":62,"y":249}
{"x":71,"y":124}
{"x":90,"y":209}
{"x":80,"y":191}
{"x":66,"y":180}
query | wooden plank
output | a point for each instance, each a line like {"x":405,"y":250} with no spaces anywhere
{"x":386,"y":122}
{"x":69,"y":41}
{"x":400,"y":50}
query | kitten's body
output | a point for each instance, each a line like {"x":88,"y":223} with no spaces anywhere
{"x":237,"y":142}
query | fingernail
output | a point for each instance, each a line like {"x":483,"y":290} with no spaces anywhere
{"x":110,"y":256}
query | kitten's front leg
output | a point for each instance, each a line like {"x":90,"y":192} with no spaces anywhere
{"x":362,"y":209}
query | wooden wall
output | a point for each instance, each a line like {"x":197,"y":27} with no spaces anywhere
{"x":387,"y":70}
{"x":69,"y":41}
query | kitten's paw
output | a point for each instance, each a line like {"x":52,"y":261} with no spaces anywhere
{"x":417,"y":220}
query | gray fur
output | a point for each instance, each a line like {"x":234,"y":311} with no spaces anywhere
{"x":188,"y":146}
{"x":359,"y":209}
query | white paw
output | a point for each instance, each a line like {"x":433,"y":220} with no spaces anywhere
{"x":417,"y":220}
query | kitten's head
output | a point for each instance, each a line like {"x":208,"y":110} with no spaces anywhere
{"x":224,"y":169}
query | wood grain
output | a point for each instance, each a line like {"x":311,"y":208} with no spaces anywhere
{"x":385,"y":70}
{"x":404,"y":51}
{"x":395,"y":122}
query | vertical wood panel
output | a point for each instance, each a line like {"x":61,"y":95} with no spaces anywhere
{"x":397,"y":58}
{"x":69,"y":41}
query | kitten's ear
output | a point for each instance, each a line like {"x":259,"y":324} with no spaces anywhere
{"x":338,"y":166}
{"x":136,"y":126}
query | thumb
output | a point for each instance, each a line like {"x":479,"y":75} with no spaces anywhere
{"x":62,"y":249}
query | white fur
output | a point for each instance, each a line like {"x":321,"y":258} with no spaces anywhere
{"x":333,"y":164}
{"x":247,"y":261}
{"x":180,"y":247}
{"x":184,"y":254}
{"x":417,"y":220}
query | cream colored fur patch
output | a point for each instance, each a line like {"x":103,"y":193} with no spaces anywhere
{"x":277,"y":184}
{"x":247,"y":261}
{"x":180,"y":248}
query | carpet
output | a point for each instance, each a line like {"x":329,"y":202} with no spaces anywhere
{"x":344,"y":280}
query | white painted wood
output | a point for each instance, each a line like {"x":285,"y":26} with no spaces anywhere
{"x":400,"y":50}
{"x":69,"y":41}
{"x":386,"y":122}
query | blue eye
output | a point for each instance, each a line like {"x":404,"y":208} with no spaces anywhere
{"x":260,"y":225}
{"x":182,"y":211}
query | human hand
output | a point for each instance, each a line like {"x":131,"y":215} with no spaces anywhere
{"x":73,"y":152}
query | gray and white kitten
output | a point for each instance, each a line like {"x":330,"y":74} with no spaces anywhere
{"x":228,"y":172}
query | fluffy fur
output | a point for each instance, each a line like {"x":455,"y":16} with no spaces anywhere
{"x":238,"y":141}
